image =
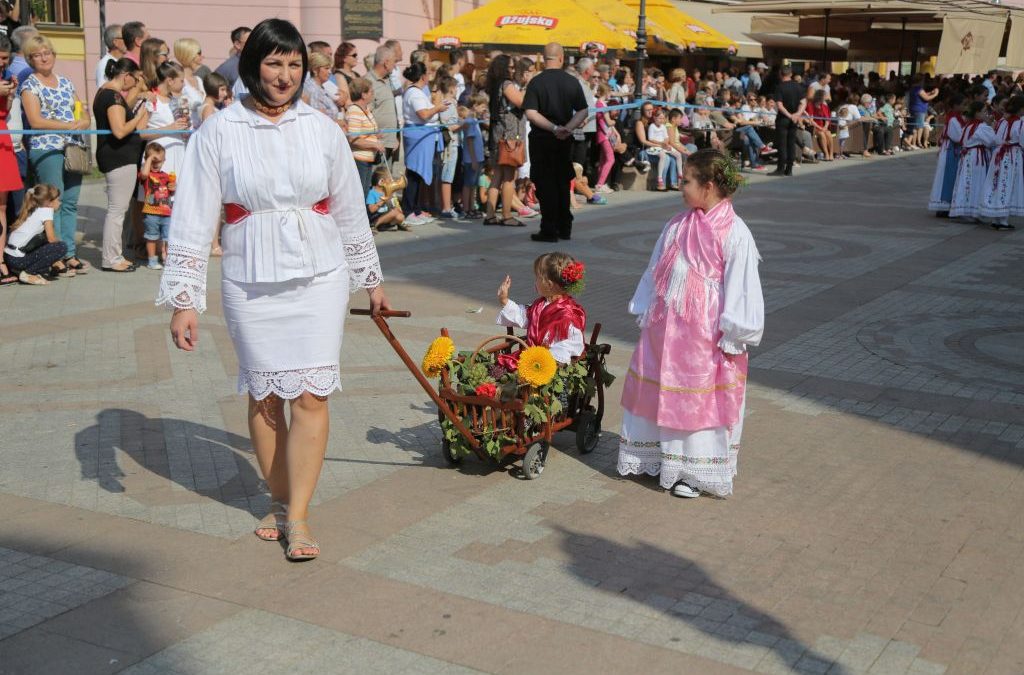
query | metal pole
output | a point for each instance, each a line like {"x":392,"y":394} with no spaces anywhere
{"x":641,"y":57}
{"x":917,"y":53}
{"x":824,"y":44}
{"x":903,"y":37}
{"x":25,"y":12}
{"x":103,"y":27}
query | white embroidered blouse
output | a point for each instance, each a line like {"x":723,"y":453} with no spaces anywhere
{"x":742,"y":304}
{"x":278,"y":173}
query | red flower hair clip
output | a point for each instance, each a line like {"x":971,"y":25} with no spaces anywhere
{"x":573,"y":277}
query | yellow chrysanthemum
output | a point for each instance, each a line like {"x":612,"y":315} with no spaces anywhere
{"x":439,"y":353}
{"x":536,"y":366}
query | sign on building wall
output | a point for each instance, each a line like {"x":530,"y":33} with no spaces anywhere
{"x":362,"y":19}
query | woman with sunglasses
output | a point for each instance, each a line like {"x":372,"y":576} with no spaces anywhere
{"x":118,"y":153}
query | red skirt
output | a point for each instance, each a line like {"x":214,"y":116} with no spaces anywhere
{"x":10,"y":178}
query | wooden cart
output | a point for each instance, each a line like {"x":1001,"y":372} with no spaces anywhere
{"x":472,"y":415}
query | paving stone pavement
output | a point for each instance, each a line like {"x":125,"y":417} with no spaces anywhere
{"x":877,"y":525}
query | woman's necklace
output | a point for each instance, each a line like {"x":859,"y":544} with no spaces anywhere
{"x":269,"y":111}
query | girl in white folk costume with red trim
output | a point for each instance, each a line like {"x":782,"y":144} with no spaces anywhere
{"x":296,"y":242}
{"x":700,"y":307}
{"x":975,"y":154}
{"x":1003,"y":196}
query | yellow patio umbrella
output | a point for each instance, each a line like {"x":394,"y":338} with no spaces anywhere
{"x":526,"y":24}
{"x":623,"y":19}
{"x":681,"y":28}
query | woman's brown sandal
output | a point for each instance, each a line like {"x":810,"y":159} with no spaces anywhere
{"x":299,"y":541}
{"x":269,"y":527}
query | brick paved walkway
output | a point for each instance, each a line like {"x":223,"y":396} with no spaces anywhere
{"x":877,"y":525}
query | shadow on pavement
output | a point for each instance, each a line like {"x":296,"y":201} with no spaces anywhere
{"x":628,"y":571}
{"x":204,"y":460}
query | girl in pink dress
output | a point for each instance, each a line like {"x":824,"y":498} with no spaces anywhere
{"x":700,"y":307}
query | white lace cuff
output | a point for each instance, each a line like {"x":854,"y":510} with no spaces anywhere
{"x":183,"y":283}
{"x":289,"y":384}
{"x":363,"y":263}
{"x":731,"y":347}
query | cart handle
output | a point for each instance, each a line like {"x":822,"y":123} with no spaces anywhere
{"x":401,"y":314}
{"x":505,"y":338}
{"x":414,"y":368}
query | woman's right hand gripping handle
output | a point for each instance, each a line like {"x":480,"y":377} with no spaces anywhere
{"x":185,"y":329}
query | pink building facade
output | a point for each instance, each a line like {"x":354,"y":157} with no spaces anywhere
{"x":211,"y":23}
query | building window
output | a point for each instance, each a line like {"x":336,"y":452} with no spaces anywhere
{"x":58,"y":12}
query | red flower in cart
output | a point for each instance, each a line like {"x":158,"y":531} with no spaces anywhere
{"x":487,"y":390}
{"x":573,"y":277}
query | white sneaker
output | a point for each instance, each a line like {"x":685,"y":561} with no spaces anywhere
{"x":414,"y":220}
{"x":684,"y":490}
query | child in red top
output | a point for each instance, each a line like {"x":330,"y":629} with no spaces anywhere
{"x":554,"y":319}
{"x":156,"y":206}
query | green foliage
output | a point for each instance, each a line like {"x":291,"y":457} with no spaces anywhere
{"x":541,"y":406}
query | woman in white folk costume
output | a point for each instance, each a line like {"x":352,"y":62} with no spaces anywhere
{"x":1003,"y":196}
{"x":949,"y":157}
{"x":700,"y":307}
{"x":296,"y":242}
{"x":975,"y":154}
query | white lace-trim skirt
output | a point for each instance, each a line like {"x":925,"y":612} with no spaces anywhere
{"x":705,"y":460}
{"x":288,"y":334}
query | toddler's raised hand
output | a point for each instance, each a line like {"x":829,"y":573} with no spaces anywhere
{"x":503,"y":290}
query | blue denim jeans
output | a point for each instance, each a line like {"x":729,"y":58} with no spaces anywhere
{"x":752,"y":143}
{"x":48,"y":167}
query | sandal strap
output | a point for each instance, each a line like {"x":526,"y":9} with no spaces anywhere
{"x":297,"y":540}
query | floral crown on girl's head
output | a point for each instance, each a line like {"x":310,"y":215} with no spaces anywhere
{"x":573,"y":277}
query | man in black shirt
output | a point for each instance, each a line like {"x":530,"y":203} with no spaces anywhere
{"x":791,"y":100}
{"x":555,"y":105}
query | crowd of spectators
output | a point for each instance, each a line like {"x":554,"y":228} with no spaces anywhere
{"x":458,"y":127}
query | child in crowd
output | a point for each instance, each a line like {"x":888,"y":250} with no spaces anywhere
{"x":887,"y":116}
{"x":449,"y":117}
{"x":843,"y":119}
{"x":385,"y":213}
{"x":472,"y":142}
{"x":605,"y":129}
{"x":580,"y":185}
{"x":668,"y":157}
{"x":483,"y":184}
{"x":33,"y":251}
{"x":555,"y":319}
{"x":158,"y":193}
{"x":682,"y":144}
{"x":700,"y":307}
{"x":901,"y":128}
{"x":218,"y":96}
{"x":526,"y":193}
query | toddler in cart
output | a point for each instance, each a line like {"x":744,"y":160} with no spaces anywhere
{"x":554,"y":320}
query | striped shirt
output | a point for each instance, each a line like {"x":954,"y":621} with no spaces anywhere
{"x":360,"y":120}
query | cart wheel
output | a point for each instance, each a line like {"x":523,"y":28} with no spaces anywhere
{"x":588,"y":432}
{"x":533,"y":460}
{"x":446,"y":446}
{"x":449,"y":456}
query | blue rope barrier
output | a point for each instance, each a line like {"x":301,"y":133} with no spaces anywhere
{"x":435,"y":126}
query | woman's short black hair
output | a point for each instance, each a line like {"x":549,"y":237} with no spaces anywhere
{"x":119,"y":67}
{"x":414,"y":72}
{"x":272,"y":36}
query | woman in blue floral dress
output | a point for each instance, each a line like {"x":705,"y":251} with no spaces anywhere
{"x":48,"y":100}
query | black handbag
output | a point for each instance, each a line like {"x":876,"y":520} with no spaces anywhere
{"x":38,"y":241}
